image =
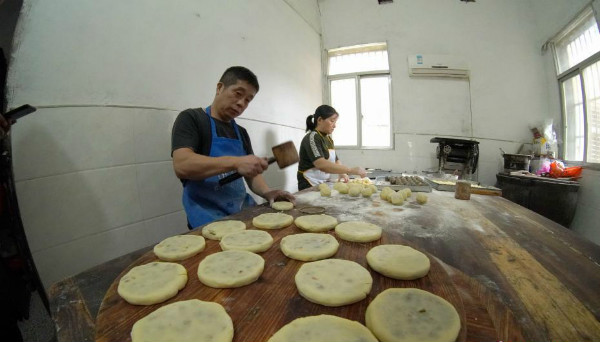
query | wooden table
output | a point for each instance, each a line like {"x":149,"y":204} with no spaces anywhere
{"x":519,"y":275}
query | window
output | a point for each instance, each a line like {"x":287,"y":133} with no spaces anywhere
{"x":359,"y":89}
{"x":577,"y":57}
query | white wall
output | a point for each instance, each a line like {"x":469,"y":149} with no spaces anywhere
{"x":551,"y":17}
{"x":507,"y":90}
{"x":92,"y":165}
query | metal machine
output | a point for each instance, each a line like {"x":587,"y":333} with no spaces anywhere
{"x":457,"y":156}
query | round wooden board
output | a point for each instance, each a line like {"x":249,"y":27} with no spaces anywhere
{"x":260,"y":309}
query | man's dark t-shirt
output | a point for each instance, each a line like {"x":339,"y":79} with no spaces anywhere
{"x":192,"y":129}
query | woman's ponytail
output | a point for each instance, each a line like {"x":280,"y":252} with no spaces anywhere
{"x":310,"y":123}
{"x":323,"y":112}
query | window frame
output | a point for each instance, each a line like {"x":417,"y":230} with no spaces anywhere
{"x":575,"y":70}
{"x":564,"y":76}
{"x":357,"y":76}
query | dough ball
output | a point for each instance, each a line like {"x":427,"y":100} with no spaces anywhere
{"x":333,"y":282}
{"x":421,"y":198}
{"x":338,"y":185}
{"x":309,"y":246}
{"x":152,"y":283}
{"x":254,"y":241}
{"x":185,"y":321}
{"x":272,"y":220}
{"x":373,"y":188}
{"x":282,"y":205}
{"x":407,"y":314}
{"x":385,"y":193}
{"x":358,"y":231}
{"x":367,"y":192}
{"x":229,"y":269}
{"x":354,"y":191}
{"x":325,"y":191}
{"x":398,"y":262}
{"x":323,"y":328}
{"x":316,"y":223}
{"x":179,"y":247}
{"x":408,"y":192}
{"x":217,"y":229}
{"x":341,"y":187}
{"x":397,"y":198}
{"x":322,"y":186}
{"x":404,"y":194}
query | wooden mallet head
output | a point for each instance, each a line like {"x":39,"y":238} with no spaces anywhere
{"x":285,"y":154}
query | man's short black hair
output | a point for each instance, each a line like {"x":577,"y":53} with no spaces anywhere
{"x":235,"y":73}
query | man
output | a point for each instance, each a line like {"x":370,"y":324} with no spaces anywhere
{"x":207,"y":145}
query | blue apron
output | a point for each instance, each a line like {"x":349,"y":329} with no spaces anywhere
{"x":205,"y":200}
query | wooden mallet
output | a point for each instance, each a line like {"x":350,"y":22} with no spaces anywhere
{"x":284,"y":154}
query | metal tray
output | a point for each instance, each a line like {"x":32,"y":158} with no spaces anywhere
{"x":381,"y":183}
{"x":452,"y":187}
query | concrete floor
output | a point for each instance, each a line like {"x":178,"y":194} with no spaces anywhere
{"x":40,"y":326}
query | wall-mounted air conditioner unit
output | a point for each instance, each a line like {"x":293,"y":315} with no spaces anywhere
{"x":437,"y":66}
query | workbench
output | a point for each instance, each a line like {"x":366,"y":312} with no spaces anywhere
{"x":517,"y":275}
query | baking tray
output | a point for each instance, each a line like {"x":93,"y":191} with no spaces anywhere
{"x":381,"y":182}
{"x":442,"y":184}
{"x":450,"y":185}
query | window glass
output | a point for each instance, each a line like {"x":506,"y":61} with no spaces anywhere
{"x":591,"y":80}
{"x":359,"y":88}
{"x":375,"y":109}
{"x":574,"y":124}
{"x":343,"y":99}
{"x":358,"y":62}
{"x":580,"y":42}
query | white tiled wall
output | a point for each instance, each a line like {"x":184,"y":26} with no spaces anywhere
{"x":80,"y":254}
{"x":506,"y":91}
{"x":93,"y":169}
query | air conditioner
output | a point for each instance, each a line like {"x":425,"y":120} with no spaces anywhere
{"x":437,"y":66}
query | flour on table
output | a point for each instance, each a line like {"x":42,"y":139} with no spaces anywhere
{"x":408,"y":218}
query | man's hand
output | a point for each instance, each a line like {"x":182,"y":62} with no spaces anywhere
{"x":5,"y":125}
{"x":251,"y":165}
{"x":281,"y":195}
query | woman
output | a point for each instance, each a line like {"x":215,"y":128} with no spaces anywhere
{"x":317,"y":152}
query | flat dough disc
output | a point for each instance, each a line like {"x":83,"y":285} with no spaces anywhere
{"x":309,"y":246}
{"x":358,"y":231}
{"x":412,"y":315}
{"x":323,"y":328}
{"x":152,"y":283}
{"x":179,"y":247}
{"x":185,"y":321}
{"x":272,"y":220}
{"x":216,"y":230}
{"x":398,"y":262}
{"x":316,"y":223}
{"x":333,"y":282}
{"x":283,"y":205}
{"x":230,"y":269}
{"x":255,"y":241}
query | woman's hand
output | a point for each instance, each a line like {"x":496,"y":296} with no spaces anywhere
{"x":359,"y":171}
{"x":343,"y":178}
